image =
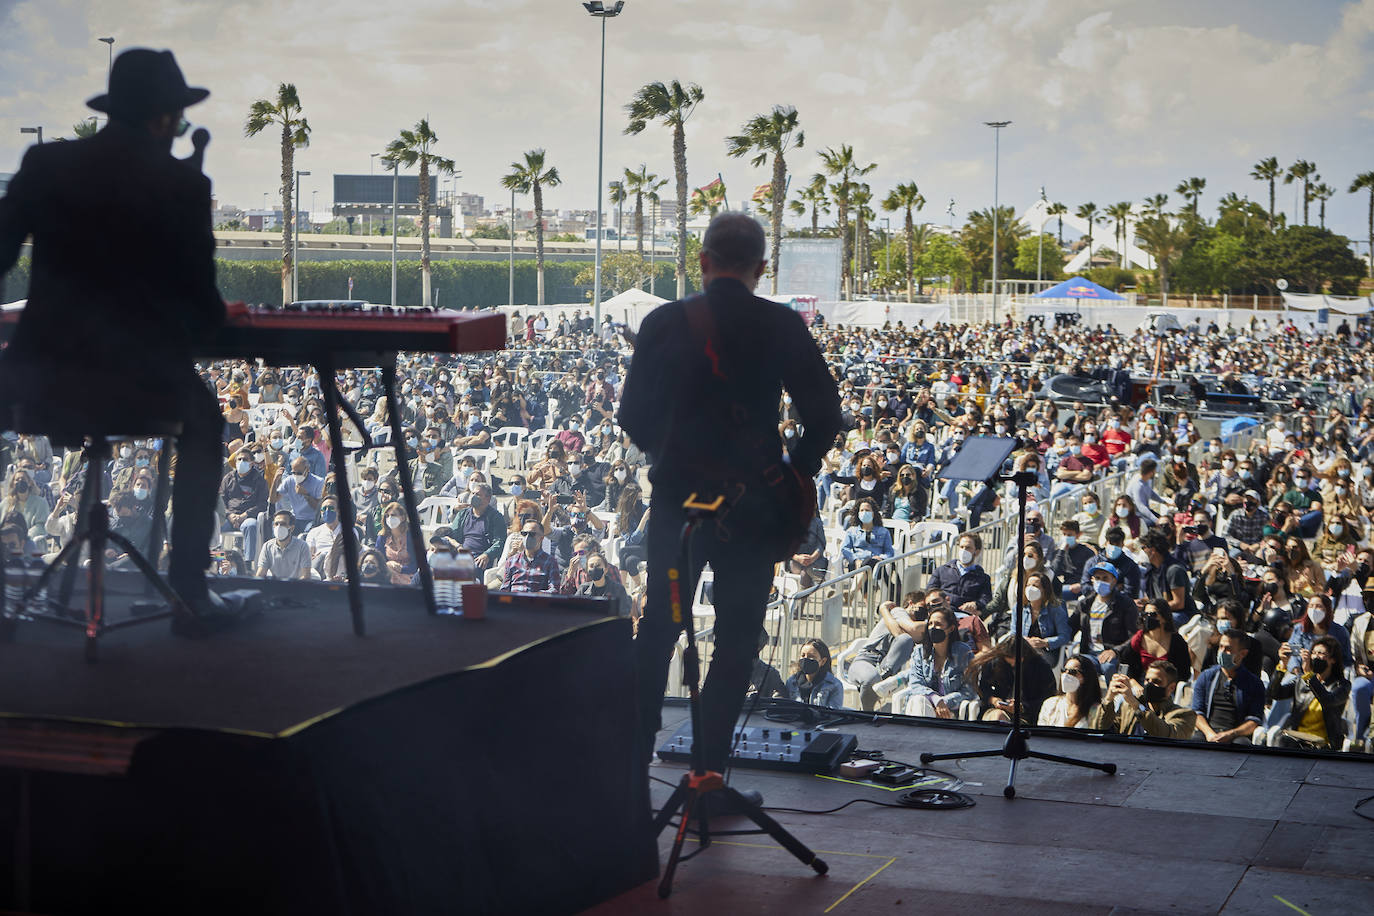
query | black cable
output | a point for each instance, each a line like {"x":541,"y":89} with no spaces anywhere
{"x":1361,"y":803}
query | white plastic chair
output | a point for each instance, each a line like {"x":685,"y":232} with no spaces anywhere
{"x":509,"y":442}
{"x":537,"y":446}
{"x":485,"y":457}
{"x":437,"y":510}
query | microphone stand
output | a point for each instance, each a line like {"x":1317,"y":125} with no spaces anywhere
{"x":1017,"y":746}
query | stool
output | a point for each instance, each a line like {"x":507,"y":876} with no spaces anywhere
{"x":70,"y":428}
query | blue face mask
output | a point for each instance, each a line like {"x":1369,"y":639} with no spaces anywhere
{"x":1223,"y":626}
{"x":1070,"y":540}
{"x":1102,"y":588}
{"x":866,"y":517}
{"x":1225,"y":660}
{"x":1113,"y":551}
{"x":329,"y":516}
{"x":516,"y":489}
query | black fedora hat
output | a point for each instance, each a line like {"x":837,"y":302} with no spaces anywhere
{"x":144,"y":82}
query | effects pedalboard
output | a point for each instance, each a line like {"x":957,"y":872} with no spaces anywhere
{"x":797,"y":750}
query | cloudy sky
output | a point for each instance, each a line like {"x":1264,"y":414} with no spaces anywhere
{"x":1111,"y":100}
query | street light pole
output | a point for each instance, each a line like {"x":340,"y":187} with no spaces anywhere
{"x":395,"y":189}
{"x":600,"y":10}
{"x":996,"y":162}
{"x":512,"y":248}
{"x":653,"y":241}
{"x":1040,"y":240}
{"x":887,"y":244}
{"x":295,"y":238}
{"x":33,"y":130}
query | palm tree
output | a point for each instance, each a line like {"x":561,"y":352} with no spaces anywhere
{"x":863,"y":214}
{"x":1365,"y":182}
{"x":416,"y":147}
{"x":709,"y":199}
{"x":1191,"y":190}
{"x":534,"y":175}
{"x":1119,"y":213}
{"x":1164,"y":241}
{"x":617,"y":195}
{"x":907,"y":198}
{"x":1088,"y":212}
{"x":672,"y":104}
{"x":1322,"y":193}
{"x":85,"y":128}
{"x":770,"y":135}
{"x":1268,"y":170}
{"x":295,"y":133}
{"x":814,"y":197}
{"x":641,"y":183}
{"x":840,"y":164}
{"x":1058,"y":211}
{"x":1306,"y":172}
{"x":1155,"y":204}
{"x":976,"y":239}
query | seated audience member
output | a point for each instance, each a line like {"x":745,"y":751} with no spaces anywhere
{"x":1319,"y":691}
{"x":972,"y":632}
{"x":936,"y":672}
{"x":963,"y":580}
{"x":1164,"y":578}
{"x":1045,"y":623}
{"x":992,"y":671}
{"x":810,"y":562}
{"x":1079,"y":702}
{"x":531,"y":568}
{"x":321,"y":538}
{"x":884,"y":653}
{"x":1315,"y":623}
{"x":1227,"y":697}
{"x":1220,"y":579}
{"x":481,"y":527}
{"x":812,"y":681}
{"x":243,"y":491}
{"x":1147,"y":708}
{"x":284,"y":556}
{"x":1069,"y":562}
{"x":764,"y":680}
{"x":1362,"y":652}
{"x":600,"y":583}
{"x":397,"y":545}
{"x":1245,"y":526}
{"x":866,"y":541}
{"x":1091,"y":521}
{"x":1105,"y":618}
{"x":1127,"y":570}
{"x":300,"y":493}
{"x":1156,"y":639}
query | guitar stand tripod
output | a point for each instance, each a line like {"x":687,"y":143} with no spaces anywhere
{"x":692,"y":794}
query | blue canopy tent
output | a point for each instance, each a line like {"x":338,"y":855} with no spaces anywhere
{"x":1078,"y":288}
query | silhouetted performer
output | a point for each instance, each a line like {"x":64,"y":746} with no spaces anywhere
{"x":123,"y":285}
{"x":702,"y":400}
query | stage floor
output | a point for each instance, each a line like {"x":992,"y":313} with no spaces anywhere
{"x":1176,"y":830}
{"x":232,"y":681}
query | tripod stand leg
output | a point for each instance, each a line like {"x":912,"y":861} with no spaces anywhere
{"x":690,"y":799}
{"x":776,"y":831}
{"x":1108,"y":768}
{"x":971,"y":755}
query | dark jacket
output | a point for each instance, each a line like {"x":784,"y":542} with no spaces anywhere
{"x":1304,"y":690}
{"x":246,"y":495}
{"x":123,"y":262}
{"x":495,"y":539}
{"x":1121,"y":621}
{"x":974,"y":585}
{"x":678,"y":410}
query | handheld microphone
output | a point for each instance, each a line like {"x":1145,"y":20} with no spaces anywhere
{"x":200,"y":138}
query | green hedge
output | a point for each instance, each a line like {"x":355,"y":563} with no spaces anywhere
{"x":459,"y":284}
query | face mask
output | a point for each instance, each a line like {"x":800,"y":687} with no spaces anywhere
{"x":1075,"y":449}
{"x":1318,"y":665}
{"x":787,"y":399}
{"x":1089,"y":438}
{"x":1115,"y":424}
{"x":393,"y":522}
{"x":125,"y":452}
{"x":1102,"y":588}
{"x":1225,"y":660}
{"x":1091,"y":509}
{"x":369,"y":484}
{"x":937,"y":635}
{"x":412,"y":442}
{"x":1000,"y":430}
{"x":966,"y":557}
{"x":282,"y":532}
{"x":299,"y":478}
{"x":1122,"y":511}
{"x":140,"y":462}
{"x":1343,"y":472}
{"x":1317,"y":615}
{"x":1070,"y":540}
{"x":1300,"y":482}
{"x":891,"y":456}
{"x":516,"y":489}
{"x":597,"y":574}
{"x":866,"y":517}
{"x":1033,"y":593}
{"x":1336,"y":530}
{"x":1149,"y":621}
{"x":575,"y":469}
{"x":1228,"y":464}
{"x":1028,"y":563}
{"x":243,"y":466}
{"x":1155,"y":693}
{"x":140,"y":493}
{"x":572,"y":427}
{"x":1223,"y":625}
{"x":1070,"y":682}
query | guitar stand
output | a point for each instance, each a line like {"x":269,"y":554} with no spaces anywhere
{"x":691,"y":797}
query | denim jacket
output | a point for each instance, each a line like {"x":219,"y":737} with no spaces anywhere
{"x":1054,"y":625}
{"x":921,"y":674}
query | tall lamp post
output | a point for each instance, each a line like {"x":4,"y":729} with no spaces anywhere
{"x":600,"y":10}
{"x":295,"y":238}
{"x":653,"y":240}
{"x":395,"y":189}
{"x":1040,"y":240}
{"x":512,"y":248}
{"x":887,"y":244}
{"x":996,"y":161}
{"x":33,"y":130}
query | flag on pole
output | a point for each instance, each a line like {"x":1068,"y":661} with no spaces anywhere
{"x":718,"y":183}
{"x":763,"y":192}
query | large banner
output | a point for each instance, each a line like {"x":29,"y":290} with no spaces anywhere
{"x":810,"y":267}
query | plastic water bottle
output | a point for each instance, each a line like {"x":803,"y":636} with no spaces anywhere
{"x":447,"y":593}
{"x":465,"y":573}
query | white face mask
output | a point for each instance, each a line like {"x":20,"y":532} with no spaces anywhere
{"x":125,"y":451}
{"x":1070,"y":682}
{"x":244,"y":466}
{"x":393,"y":522}
{"x":369,"y":484}
{"x":966,"y":557}
{"x":620,"y":475}
{"x":300,"y":478}
{"x":1028,"y":563}
{"x":1317,"y":615}
{"x":140,"y":493}
{"x":282,"y":532}
{"x":1033,"y":593}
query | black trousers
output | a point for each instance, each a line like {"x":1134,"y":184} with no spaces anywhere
{"x":743,"y":576}
{"x":195,"y":489}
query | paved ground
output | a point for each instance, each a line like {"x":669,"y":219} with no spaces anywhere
{"x":1176,"y":830}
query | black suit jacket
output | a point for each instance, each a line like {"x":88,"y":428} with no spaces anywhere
{"x":123,"y":279}
{"x":678,"y":411}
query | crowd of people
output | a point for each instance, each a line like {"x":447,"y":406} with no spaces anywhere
{"x":1209,"y":592}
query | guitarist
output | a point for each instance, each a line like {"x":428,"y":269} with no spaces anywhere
{"x":701,"y":400}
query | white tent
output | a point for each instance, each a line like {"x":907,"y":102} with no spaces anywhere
{"x":1346,"y":305}
{"x":634,"y":297}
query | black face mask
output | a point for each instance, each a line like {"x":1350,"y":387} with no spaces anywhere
{"x":1318,"y":665}
{"x":1149,"y":622}
{"x":937,"y":635}
{"x":1155,"y":693}
{"x":808,"y":666}
{"x":21,"y":486}
{"x":596,"y":575}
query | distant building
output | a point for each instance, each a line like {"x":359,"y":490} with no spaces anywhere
{"x":471,"y":206}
